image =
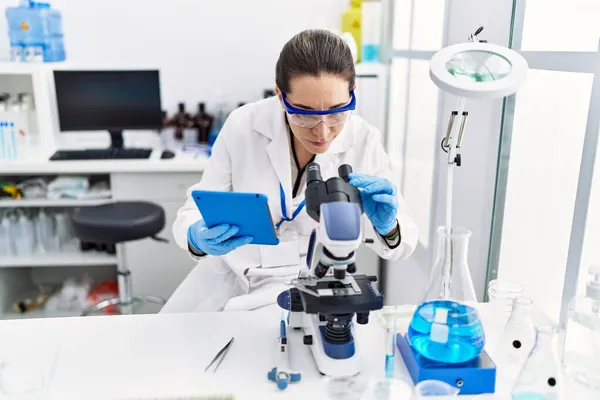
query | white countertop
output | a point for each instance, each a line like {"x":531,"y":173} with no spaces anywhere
{"x":164,"y":356}
{"x":39,"y":163}
{"x":36,"y":159}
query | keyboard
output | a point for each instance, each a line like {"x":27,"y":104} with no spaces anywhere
{"x":102,"y":154}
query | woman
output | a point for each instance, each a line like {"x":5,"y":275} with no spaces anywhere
{"x":264,"y":147}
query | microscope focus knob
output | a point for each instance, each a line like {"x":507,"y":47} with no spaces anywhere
{"x":351,"y":268}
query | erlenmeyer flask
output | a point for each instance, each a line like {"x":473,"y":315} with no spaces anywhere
{"x":518,"y":337}
{"x":450,"y":278}
{"x":541,"y":376}
{"x":516,"y":342}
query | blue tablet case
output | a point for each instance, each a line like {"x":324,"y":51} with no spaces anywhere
{"x":249,"y":211}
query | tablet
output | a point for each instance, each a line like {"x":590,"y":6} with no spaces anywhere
{"x":249,"y":211}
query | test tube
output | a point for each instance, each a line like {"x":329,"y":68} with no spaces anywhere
{"x":391,"y":348}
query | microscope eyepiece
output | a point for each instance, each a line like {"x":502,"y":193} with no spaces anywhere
{"x":344,"y":171}
{"x":313,"y":173}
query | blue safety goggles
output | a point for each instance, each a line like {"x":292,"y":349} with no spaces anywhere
{"x":311,"y":118}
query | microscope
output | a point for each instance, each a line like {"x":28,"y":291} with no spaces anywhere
{"x":327,"y":294}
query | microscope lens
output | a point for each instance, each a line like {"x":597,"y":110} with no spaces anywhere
{"x":339,"y":273}
{"x":321,"y":270}
{"x":313,"y":173}
{"x":344,"y":171}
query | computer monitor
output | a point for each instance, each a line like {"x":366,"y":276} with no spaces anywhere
{"x":108,"y":100}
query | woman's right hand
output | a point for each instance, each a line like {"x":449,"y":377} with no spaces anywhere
{"x":215,"y":241}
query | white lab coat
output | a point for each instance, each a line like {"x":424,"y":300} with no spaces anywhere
{"x":252,"y":154}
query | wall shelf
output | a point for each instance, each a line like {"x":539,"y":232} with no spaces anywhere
{"x":48,"y":203}
{"x":69,"y":256}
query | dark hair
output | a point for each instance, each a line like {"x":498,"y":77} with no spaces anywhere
{"x":314,"y":52}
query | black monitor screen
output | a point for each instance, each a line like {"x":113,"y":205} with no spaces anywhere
{"x":108,"y":100}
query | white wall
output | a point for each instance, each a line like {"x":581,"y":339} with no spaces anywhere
{"x":204,"y":48}
{"x":474,"y":181}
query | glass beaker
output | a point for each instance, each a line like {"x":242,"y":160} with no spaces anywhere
{"x":387,"y":389}
{"x":447,"y":332}
{"x":432,"y":388}
{"x":501,"y":295}
{"x":450,"y":278}
{"x":345,"y":388}
{"x":541,"y":376}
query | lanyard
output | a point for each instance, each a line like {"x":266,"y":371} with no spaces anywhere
{"x":284,"y":208}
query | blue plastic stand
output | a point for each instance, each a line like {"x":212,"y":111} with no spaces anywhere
{"x":474,"y":377}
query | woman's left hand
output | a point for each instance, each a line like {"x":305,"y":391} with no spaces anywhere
{"x":379,"y":199}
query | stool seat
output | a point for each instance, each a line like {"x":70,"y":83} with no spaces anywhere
{"x":118,"y":222}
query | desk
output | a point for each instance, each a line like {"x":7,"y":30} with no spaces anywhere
{"x":155,"y":356}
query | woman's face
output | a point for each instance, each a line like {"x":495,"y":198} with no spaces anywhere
{"x":324,"y":92}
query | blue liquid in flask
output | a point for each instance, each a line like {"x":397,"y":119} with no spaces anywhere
{"x":446,"y":332}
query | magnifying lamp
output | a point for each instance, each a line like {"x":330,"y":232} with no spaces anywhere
{"x":473,"y":70}
{"x":476,"y":70}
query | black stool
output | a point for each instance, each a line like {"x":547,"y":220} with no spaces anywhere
{"x":116,"y":223}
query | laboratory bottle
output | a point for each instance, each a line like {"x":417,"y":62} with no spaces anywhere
{"x":22,"y":234}
{"x":45,"y":232}
{"x":180,"y":121}
{"x":371,"y":31}
{"x":352,"y":23}
{"x":218,"y":122}
{"x":541,"y":376}
{"x":450,"y":278}
{"x":203,"y":122}
{"x":581,"y":352}
{"x":4,"y":236}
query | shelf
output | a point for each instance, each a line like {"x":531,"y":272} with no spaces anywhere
{"x":14,"y":68}
{"x":70,"y":256}
{"x":39,"y":314}
{"x":52,"y":203}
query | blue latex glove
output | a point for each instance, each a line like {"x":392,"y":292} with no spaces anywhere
{"x":379,"y":199}
{"x":215,"y":241}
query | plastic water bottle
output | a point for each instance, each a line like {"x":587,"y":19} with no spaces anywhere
{"x":35,"y":33}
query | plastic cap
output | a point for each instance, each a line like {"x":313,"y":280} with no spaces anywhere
{"x":592,"y":289}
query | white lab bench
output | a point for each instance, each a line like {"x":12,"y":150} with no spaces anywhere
{"x":157,"y":268}
{"x":164,"y":356}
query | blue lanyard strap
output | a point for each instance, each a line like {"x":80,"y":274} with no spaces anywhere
{"x":284,"y":208}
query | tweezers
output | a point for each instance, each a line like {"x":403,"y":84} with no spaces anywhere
{"x":220,"y":355}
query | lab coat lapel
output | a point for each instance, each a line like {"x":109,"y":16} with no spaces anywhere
{"x":271,"y":124}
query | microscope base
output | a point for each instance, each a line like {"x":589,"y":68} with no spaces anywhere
{"x":335,"y":360}
{"x":474,"y":377}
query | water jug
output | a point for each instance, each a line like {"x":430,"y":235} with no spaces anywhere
{"x":35,"y":33}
